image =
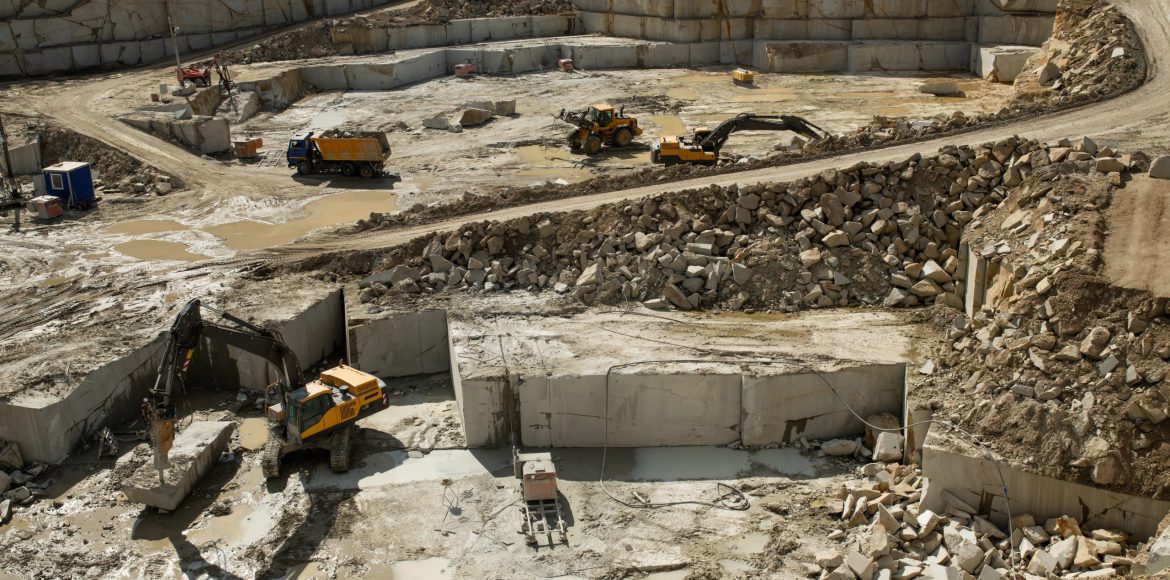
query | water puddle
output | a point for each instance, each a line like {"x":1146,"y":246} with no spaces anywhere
{"x":682,"y":94}
{"x":670,"y":575}
{"x":687,"y":463}
{"x":668,"y":124}
{"x":764,"y":95}
{"x":97,"y":256}
{"x":57,"y":281}
{"x":539,"y":154}
{"x":158,"y":250}
{"x":750,"y":544}
{"x":339,"y":208}
{"x":431,"y":569}
{"x":736,"y":567}
{"x":253,"y":433}
{"x":146,"y":227}
{"x":243,"y":527}
{"x":393,"y":468}
{"x":306,"y":571}
{"x":787,"y":461}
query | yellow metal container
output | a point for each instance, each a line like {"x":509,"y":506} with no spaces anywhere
{"x":743,"y":76}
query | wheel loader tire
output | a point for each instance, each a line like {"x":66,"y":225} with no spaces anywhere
{"x":347,"y":169}
{"x":592,"y":144}
{"x":575,"y":143}
{"x":366,"y":171}
{"x":339,"y":449}
{"x":623,"y":137}
{"x":270,"y":456}
{"x":304,"y":168}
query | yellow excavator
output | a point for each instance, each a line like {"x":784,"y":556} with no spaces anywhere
{"x":704,"y":147}
{"x":598,"y":125}
{"x":301,"y":415}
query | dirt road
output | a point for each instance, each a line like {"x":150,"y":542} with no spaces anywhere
{"x":1132,"y":120}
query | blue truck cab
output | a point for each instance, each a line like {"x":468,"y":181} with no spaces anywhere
{"x":298,"y":149}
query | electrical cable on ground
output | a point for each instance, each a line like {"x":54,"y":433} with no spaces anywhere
{"x":802,"y":365}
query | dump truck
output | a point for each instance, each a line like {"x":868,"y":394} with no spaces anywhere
{"x":704,"y":147}
{"x":363,"y":155}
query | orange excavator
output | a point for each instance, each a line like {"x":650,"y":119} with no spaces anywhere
{"x":301,"y":415}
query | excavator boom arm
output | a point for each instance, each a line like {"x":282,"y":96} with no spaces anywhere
{"x":752,"y":122}
{"x":189,"y":329}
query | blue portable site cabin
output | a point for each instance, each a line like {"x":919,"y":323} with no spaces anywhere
{"x":71,"y":182}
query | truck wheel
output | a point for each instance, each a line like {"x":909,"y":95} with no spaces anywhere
{"x":575,"y":142}
{"x":366,"y":171}
{"x":623,"y":137}
{"x":304,"y":168}
{"x":339,"y":449}
{"x":592,"y":144}
{"x":654,"y":157}
{"x":348,"y":169}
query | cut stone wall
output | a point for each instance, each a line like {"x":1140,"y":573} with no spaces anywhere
{"x":53,"y":36}
{"x":47,"y":428}
{"x":554,"y":381}
{"x":400,"y":345}
{"x":999,"y":21}
{"x":976,"y":480}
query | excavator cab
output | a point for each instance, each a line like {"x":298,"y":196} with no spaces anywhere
{"x":339,"y":397}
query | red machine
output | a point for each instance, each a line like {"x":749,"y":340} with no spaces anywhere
{"x":542,"y":503}
{"x":199,"y":78}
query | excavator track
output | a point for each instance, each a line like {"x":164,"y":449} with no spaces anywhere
{"x":339,"y":449}
{"x":270,"y":456}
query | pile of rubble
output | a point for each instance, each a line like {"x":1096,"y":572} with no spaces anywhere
{"x":1057,"y":358}
{"x":1093,"y":54}
{"x":888,"y":534}
{"x":867,"y":235}
{"x":16,"y":479}
{"x":438,"y":11}
{"x":116,"y":171}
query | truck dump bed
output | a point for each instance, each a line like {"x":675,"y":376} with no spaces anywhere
{"x":371,"y":149}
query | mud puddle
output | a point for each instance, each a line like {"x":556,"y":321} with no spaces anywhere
{"x":57,"y":281}
{"x":253,"y":433}
{"x":750,"y":544}
{"x":430,"y":568}
{"x":668,"y":124}
{"x":146,"y":227}
{"x":337,"y":209}
{"x":158,"y":250}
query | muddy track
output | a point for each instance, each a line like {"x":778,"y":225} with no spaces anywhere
{"x":79,"y":107}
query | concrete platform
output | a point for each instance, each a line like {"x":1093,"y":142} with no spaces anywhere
{"x":195,"y":452}
{"x":633,"y":379}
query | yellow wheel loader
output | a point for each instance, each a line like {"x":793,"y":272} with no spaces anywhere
{"x":704,"y":147}
{"x":319,"y":414}
{"x":600,"y":125}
